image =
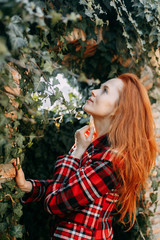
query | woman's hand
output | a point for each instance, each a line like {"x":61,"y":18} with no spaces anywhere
{"x":82,"y":141}
{"x":21,"y":182}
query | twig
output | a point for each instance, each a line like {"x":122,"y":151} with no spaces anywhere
{"x":8,"y":195}
{"x":140,"y":230}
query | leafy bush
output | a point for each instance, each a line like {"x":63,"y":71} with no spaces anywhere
{"x":35,"y":45}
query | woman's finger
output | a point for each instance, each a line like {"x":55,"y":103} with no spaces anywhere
{"x":91,"y":133}
{"x":17,"y":160}
{"x":16,"y":164}
{"x":83,"y":129}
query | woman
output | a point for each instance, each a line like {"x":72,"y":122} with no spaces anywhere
{"x":107,"y":167}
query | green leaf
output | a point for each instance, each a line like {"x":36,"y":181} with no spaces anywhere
{"x":72,"y":17}
{"x":3,"y":47}
{"x":16,"y":124}
{"x":30,"y":144}
{"x":41,"y":4}
{"x":52,"y":98}
{"x":41,"y":87}
{"x":19,"y":139}
{"x":18,"y":211}
{"x":18,"y":42}
{"x":60,"y":55}
{"x":113,"y":71}
{"x":2,"y":140}
{"x":71,"y":95}
{"x":153,"y":197}
{"x":152,"y":38}
{"x":57,"y":96}
{"x":32,"y":136}
{"x":19,"y":114}
{"x":48,"y":67}
{"x":149,"y":17}
{"x":3,"y":208}
{"x":19,"y":150}
{"x":39,"y":12}
{"x":58,"y":93}
{"x":9,"y":185}
{"x":16,"y":19}
{"x":3,"y":120}
{"x":3,"y":227}
{"x":8,"y":148}
{"x":83,"y":2}
{"x":155,"y":185}
{"x":55,"y":81}
{"x":150,"y":213}
{"x":19,"y":194}
{"x":34,"y":41}
{"x":99,"y":22}
{"x":15,"y":30}
{"x":4,"y":100}
{"x":35,"y":97}
{"x":129,"y":45}
{"x":89,"y":13}
{"x":82,"y":77}
{"x":55,"y":17}
{"x":112,"y":4}
{"x":16,"y":231}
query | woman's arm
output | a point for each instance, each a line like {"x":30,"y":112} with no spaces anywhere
{"x":34,"y":189}
{"x":21,"y":182}
{"x":66,"y":165}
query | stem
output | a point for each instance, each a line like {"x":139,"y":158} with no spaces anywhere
{"x":8,"y":195}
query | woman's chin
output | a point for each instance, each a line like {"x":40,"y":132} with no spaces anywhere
{"x":85,"y":109}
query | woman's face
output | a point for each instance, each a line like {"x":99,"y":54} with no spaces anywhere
{"x":102,"y":102}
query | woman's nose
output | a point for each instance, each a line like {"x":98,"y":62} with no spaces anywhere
{"x":93,"y":92}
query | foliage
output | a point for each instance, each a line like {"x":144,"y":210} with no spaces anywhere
{"x":26,"y":66}
{"x":34,"y":47}
{"x":126,"y":36}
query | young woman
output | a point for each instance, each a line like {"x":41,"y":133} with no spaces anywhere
{"x":107,"y":167}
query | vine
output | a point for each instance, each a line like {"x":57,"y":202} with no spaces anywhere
{"x":34,"y":48}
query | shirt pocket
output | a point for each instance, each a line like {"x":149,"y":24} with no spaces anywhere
{"x":70,"y":230}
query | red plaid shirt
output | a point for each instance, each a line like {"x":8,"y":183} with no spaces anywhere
{"x":82,"y":194}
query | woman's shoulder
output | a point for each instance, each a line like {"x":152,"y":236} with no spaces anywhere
{"x":104,"y":155}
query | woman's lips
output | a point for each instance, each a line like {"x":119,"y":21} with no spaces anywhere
{"x":89,"y":100}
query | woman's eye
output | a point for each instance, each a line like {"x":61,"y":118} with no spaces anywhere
{"x":105,"y":90}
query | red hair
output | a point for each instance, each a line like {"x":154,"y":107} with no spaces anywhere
{"x":132,"y":134}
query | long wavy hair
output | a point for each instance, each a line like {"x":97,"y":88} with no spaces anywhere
{"x":133,"y":136}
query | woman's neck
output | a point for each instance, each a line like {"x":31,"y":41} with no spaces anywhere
{"x":102,"y":126}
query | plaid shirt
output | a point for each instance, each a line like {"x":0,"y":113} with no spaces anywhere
{"x":82,"y":194}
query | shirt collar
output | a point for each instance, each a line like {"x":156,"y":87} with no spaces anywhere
{"x":101,"y":143}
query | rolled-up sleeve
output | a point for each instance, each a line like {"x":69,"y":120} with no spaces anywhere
{"x":38,"y":190}
{"x":84,"y":186}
